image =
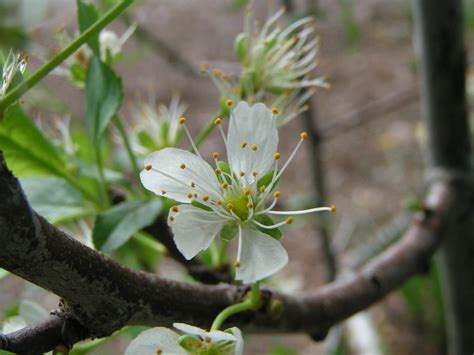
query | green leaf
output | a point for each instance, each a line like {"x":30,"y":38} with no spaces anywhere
{"x":55,"y":199}
{"x":103,"y":97}
{"x":87,"y":15}
{"x":26,"y":149}
{"x":115,"y":226}
{"x":229,"y":231}
{"x":267,"y":221}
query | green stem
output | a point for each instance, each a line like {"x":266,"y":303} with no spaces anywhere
{"x":207,"y":130}
{"x":252,"y":302}
{"x":128,"y":148}
{"x":26,"y":85}
{"x":104,"y":188}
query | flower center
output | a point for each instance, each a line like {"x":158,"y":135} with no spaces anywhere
{"x":238,"y":203}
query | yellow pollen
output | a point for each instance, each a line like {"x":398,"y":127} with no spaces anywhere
{"x":289,"y":220}
{"x":230,"y":206}
{"x":254,"y":173}
{"x":218,"y":121}
{"x":303,"y":135}
{"x":193,"y":184}
{"x":242,"y":173}
{"x":182,"y":120}
{"x":171,"y":218}
{"x":247,"y":191}
{"x":148,"y":167}
{"x":250,"y":205}
{"x":225,"y":185}
{"x":237,"y":264}
{"x":190,"y":195}
{"x":277,"y":194}
{"x":204,"y":67}
{"x":229,"y":103}
{"x":276,"y":156}
{"x":253,"y":147}
{"x":174,"y":209}
{"x":215,"y":155}
{"x":182,"y":166}
{"x":262,"y":188}
{"x":218,"y":171}
{"x":243,"y":144}
{"x":333,"y":208}
{"x":275,"y":111}
{"x":205,"y":198}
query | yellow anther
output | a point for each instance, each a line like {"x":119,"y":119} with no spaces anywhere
{"x":215,"y":155}
{"x":277,"y":194}
{"x":163,"y":192}
{"x":229,"y":103}
{"x":254,"y":173}
{"x":148,"y":167}
{"x":195,"y":195}
{"x":289,"y":220}
{"x":204,"y":67}
{"x":182,"y":120}
{"x":171,"y":219}
{"x":230,"y":206}
{"x":253,"y":147}
{"x":218,"y":171}
{"x":303,"y":135}
{"x":182,"y":166}
{"x":218,"y":121}
{"x":190,"y":195}
{"x":333,"y":208}
{"x":193,"y":184}
{"x":225,"y":185}
{"x":174,"y":209}
{"x":275,"y":111}
{"x":276,"y":156}
{"x":205,"y":198}
{"x":243,"y":144}
{"x":237,"y":264}
{"x":242,"y":173}
{"x":262,"y":188}
{"x":219,"y":202}
{"x":247,"y":191}
{"x":249,"y":205}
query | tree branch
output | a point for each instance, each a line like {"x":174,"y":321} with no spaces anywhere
{"x":104,"y":296}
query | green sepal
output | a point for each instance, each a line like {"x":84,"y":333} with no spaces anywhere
{"x":78,"y":74}
{"x":190,"y":343}
{"x":200,"y":205}
{"x":226,"y":169}
{"x":266,"y":180}
{"x":413,"y":204}
{"x":241,"y":46}
{"x":267,"y":221}
{"x":146,"y":141}
{"x":229,"y":231}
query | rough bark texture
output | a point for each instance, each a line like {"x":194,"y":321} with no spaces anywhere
{"x":103,"y":296}
{"x":440,"y":45}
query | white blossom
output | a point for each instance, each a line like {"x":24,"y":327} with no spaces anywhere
{"x":193,"y":340}
{"x":12,"y":66}
{"x":234,"y":199}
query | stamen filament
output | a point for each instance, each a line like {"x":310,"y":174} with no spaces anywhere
{"x":239,"y":247}
{"x":311,"y":210}
{"x":191,"y":140}
{"x":272,"y":226}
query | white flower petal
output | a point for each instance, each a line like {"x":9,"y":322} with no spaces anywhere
{"x":189,"y":329}
{"x":152,"y":340}
{"x":175,"y":181}
{"x":261,"y":256}
{"x":194,"y":229}
{"x":254,"y":126}
{"x":239,"y":347}
{"x":219,"y":335}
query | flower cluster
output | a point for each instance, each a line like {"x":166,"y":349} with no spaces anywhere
{"x":163,"y":341}
{"x":276,"y":65}
{"x":234,"y":199}
{"x":12,"y":69}
{"x":157,"y":127}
